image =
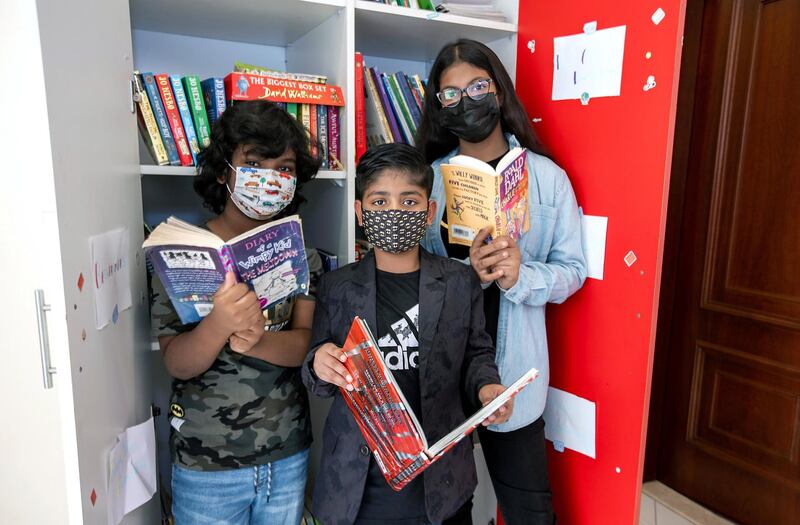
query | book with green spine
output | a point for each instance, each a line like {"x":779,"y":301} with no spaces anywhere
{"x":197,"y":107}
{"x":405,"y":114}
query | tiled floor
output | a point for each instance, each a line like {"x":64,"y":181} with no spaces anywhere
{"x":663,"y":506}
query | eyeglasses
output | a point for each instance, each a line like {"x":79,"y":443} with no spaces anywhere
{"x":451,"y":96}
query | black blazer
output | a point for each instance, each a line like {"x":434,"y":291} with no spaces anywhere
{"x":455,"y":355}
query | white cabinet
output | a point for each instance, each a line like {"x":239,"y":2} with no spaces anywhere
{"x":74,"y":169}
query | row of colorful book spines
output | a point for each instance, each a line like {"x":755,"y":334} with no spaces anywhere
{"x":400,"y":99}
{"x":177,"y":105}
{"x":186,"y":108}
{"x":323,"y":125}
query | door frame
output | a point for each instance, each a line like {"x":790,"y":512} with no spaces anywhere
{"x":693,"y":29}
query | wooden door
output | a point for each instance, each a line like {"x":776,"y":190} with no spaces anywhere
{"x":730,"y":431}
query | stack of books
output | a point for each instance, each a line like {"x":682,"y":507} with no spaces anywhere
{"x":176,"y":113}
{"x":392,"y":106}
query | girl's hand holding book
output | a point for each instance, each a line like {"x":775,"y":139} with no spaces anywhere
{"x":486,"y":258}
{"x":486,"y":394}
{"x":236,"y":307}
{"x":329,"y":368}
{"x":508,"y":266}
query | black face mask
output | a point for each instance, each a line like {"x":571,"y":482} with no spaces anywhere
{"x":471,"y":120}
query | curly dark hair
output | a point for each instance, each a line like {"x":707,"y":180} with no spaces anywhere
{"x":269,"y":131}
{"x":434,"y":140}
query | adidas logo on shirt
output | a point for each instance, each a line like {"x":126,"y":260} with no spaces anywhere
{"x":400,"y":347}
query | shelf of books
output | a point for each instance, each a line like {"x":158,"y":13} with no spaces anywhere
{"x":196,"y":57}
{"x":392,"y":65}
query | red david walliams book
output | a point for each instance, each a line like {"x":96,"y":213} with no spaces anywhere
{"x":385,"y":418}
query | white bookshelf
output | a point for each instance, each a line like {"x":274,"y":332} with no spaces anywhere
{"x":416,"y":34}
{"x":205,"y":37}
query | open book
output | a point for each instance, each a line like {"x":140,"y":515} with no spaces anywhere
{"x":388,"y":424}
{"x":478,"y":196}
{"x":191,"y":263}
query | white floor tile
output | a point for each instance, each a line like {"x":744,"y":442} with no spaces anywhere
{"x":665,"y":516}
{"x":647,"y":511}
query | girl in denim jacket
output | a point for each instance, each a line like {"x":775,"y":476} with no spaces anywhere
{"x":471,"y":108}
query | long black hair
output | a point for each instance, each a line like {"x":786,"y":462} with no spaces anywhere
{"x":269,"y":131}
{"x":435,"y":141}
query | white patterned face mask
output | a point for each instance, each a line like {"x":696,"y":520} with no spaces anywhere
{"x":262,"y":193}
{"x":394,"y":231}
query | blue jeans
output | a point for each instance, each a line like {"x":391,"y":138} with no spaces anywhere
{"x":270,"y":494}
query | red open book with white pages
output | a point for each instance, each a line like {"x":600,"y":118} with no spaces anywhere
{"x":390,"y":428}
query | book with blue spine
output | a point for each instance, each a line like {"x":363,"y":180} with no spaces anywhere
{"x":191,"y":263}
{"x":403,"y":120}
{"x":214,"y":96}
{"x":186,"y":116}
{"x":322,"y":135}
{"x":386,"y":104}
{"x":411,"y":102}
{"x":151,"y":88}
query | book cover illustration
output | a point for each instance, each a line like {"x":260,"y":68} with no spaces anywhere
{"x":478,"y":196}
{"x":389,"y":426}
{"x":191,"y":263}
{"x":191,"y":276}
{"x":273,"y":262}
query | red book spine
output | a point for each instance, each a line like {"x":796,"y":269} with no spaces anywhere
{"x":313,"y":128}
{"x":334,"y":144}
{"x":361,"y":118}
{"x":174,"y":118}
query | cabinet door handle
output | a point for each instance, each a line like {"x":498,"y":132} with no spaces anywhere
{"x":44,"y":341}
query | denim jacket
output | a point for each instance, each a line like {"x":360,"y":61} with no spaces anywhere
{"x":552,"y":268}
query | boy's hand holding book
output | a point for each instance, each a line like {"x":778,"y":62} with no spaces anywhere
{"x":329,"y":368}
{"x":486,"y":394}
{"x":497,"y":261}
{"x":236,"y":311}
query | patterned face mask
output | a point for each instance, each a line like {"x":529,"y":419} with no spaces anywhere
{"x":262,"y":193}
{"x":394,"y":231}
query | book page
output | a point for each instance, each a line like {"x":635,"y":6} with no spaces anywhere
{"x":177,"y":232}
{"x":444,"y":444}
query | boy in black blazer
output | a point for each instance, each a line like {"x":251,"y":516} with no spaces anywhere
{"x":427,"y":314}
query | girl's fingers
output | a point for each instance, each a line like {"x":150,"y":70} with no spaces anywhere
{"x":489,"y":262}
{"x":489,"y":276}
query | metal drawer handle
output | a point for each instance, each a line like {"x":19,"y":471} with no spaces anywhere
{"x":44,"y":342}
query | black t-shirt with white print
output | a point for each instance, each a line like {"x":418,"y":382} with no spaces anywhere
{"x":397,"y":316}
